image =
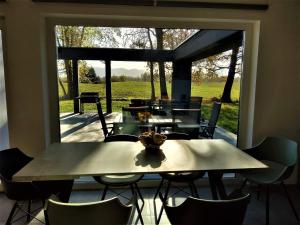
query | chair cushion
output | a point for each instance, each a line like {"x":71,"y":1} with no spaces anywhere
{"x":265,"y":176}
{"x":182,"y":177}
{"x":119,"y":180}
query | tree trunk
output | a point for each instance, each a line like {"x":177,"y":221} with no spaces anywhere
{"x":226,"y":97}
{"x":152,"y":82}
{"x":69,"y":72}
{"x":161,"y":65}
{"x":62,"y":87}
{"x":151,"y":68}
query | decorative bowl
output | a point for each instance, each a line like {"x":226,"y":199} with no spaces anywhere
{"x":152,"y":140}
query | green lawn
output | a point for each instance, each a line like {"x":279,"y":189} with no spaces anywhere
{"x":122,"y":92}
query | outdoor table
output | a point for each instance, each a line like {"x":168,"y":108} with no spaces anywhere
{"x":61,"y":161}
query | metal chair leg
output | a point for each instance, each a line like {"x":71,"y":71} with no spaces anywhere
{"x":155,"y":196}
{"x":137,"y":206}
{"x":104,"y":192}
{"x":11,"y":214}
{"x":28,"y":210}
{"x":267,"y":205}
{"x":139,"y":192}
{"x":165,"y":199}
{"x":195,"y":189}
{"x":290,"y":201}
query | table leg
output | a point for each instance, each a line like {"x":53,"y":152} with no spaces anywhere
{"x":216,"y":185}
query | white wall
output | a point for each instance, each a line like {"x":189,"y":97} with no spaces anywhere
{"x":278,"y":73}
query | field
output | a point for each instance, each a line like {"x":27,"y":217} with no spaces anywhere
{"x":122,"y":92}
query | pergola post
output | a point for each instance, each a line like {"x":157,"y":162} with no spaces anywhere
{"x":75,"y":85}
{"x":108,"y":86}
{"x":181,"y":80}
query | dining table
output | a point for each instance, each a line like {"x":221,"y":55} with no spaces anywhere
{"x":61,"y":161}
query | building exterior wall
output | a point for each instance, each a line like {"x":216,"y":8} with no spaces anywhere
{"x":276,"y":109}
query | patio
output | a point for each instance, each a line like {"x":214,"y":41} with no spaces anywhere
{"x":86,"y":127}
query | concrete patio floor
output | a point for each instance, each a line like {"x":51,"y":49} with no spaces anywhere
{"x":86,"y":127}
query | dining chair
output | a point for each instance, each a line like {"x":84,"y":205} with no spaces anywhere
{"x":187,"y":177}
{"x":107,"y":212}
{"x":11,"y":161}
{"x":194,"y":211}
{"x":208,"y":130}
{"x":122,"y":180}
{"x":280,"y":155}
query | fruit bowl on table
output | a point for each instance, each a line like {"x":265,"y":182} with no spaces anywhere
{"x":152,"y":140}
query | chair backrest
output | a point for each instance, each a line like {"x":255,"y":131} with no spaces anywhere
{"x":131,"y":114}
{"x":107,"y":212}
{"x":135,"y":102}
{"x":102,"y":118}
{"x":214,"y":115}
{"x":121,"y":137}
{"x":187,"y":115}
{"x":280,"y":150}
{"x":208,"y":212}
{"x":177,"y":136}
{"x":11,"y":161}
{"x":195,"y":102}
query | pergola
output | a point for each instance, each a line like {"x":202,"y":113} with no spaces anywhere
{"x":202,"y":44}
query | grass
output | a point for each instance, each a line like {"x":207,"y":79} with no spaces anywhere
{"x":122,"y":92}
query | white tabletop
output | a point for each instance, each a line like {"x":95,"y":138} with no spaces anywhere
{"x":72,"y":160}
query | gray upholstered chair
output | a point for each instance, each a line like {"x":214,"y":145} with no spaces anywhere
{"x":122,"y":179}
{"x":195,"y":211}
{"x":280,"y":154}
{"x":107,"y":212}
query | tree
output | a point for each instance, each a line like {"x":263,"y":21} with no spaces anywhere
{"x":81,"y":36}
{"x":161,"y":65}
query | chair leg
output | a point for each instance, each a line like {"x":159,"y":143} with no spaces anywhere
{"x":195,"y":189}
{"x":290,"y":201}
{"x":165,"y":199}
{"x":11,"y":214}
{"x":137,"y":206}
{"x":139,"y":192}
{"x":104,"y":192}
{"x":28,"y":210}
{"x":267,"y":205}
{"x":155,"y":196}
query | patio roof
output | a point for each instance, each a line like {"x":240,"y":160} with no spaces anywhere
{"x":202,"y":44}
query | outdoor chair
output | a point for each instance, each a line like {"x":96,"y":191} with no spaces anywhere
{"x":208,"y":130}
{"x":135,"y":119}
{"x":107,"y":212}
{"x":11,"y":161}
{"x":188,"y":178}
{"x":195,"y":102}
{"x":194,"y":211}
{"x":87,"y":97}
{"x":136,"y":102}
{"x":107,"y":128}
{"x":280,"y":155}
{"x":124,"y":179}
{"x":188,"y":121}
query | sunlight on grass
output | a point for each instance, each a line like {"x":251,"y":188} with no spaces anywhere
{"x":122,"y":92}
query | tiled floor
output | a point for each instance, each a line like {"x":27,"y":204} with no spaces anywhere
{"x":280,"y":213}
